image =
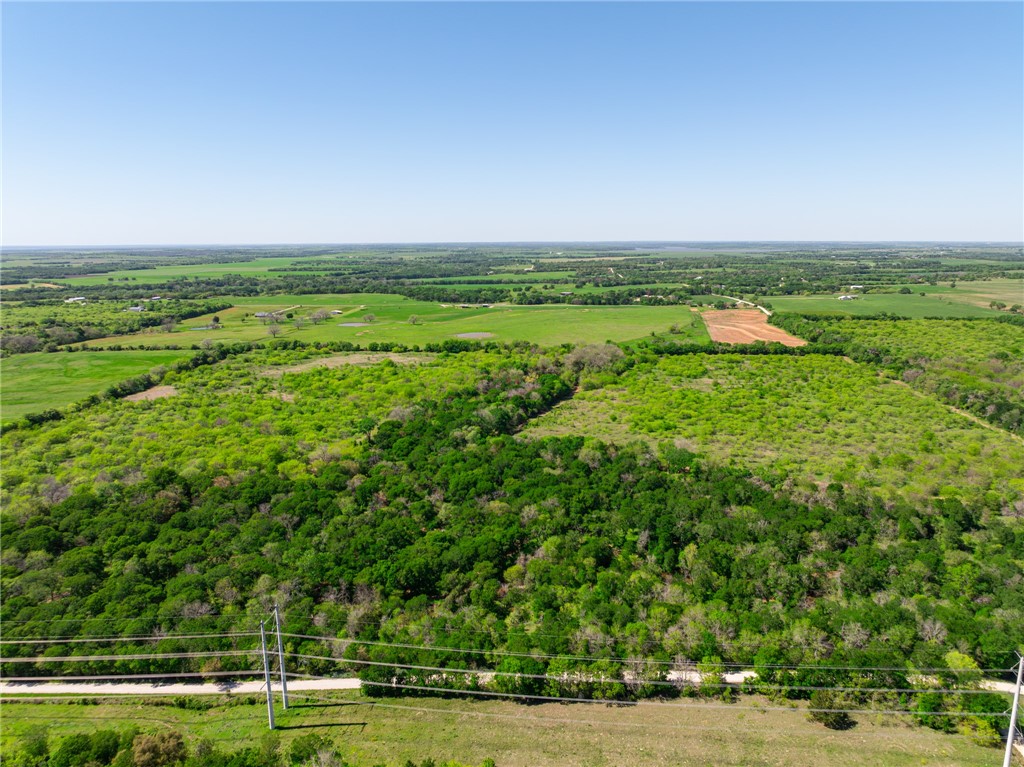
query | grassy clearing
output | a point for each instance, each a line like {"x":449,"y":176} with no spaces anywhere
{"x":819,"y":419}
{"x":916,"y":306}
{"x":528,"y":736}
{"x":31,"y":383}
{"x":545,"y":325}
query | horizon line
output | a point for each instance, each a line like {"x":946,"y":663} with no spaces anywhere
{"x":464,"y":243}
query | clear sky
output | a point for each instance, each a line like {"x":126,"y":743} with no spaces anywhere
{"x":134,"y":123}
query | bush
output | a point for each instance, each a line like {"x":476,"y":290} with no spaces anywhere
{"x":825,"y":709}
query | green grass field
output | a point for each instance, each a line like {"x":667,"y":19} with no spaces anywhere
{"x":979,"y":292}
{"x":548,"y":735}
{"x":36,"y":382}
{"x":937,"y":304}
{"x":545,"y":325}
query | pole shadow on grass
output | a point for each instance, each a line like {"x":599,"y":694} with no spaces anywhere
{"x":312,"y":726}
{"x":339,"y":704}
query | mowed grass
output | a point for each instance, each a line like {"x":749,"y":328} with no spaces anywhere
{"x":30,"y":383}
{"x":544,"y":325}
{"x":547,"y":735}
{"x":915,"y":306}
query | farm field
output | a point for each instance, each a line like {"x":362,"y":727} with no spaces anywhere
{"x":980,"y":292}
{"x":745,"y":326}
{"x":544,"y":325}
{"x":389,"y":731}
{"x":818,"y":419}
{"x":36,"y":382}
{"x":914,"y":305}
{"x":258,"y":267}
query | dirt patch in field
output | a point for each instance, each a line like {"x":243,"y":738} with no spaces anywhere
{"x":353,"y":324}
{"x":155,"y":392}
{"x":744,"y":326}
{"x":474,"y":335}
{"x":36,"y":285}
{"x":355,"y":358}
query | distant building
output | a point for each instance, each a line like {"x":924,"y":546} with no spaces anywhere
{"x":337,"y":311}
{"x":136,"y":308}
{"x":856,"y":287}
{"x":847,"y":298}
{"x":566,"y":293}
{"x":75,"y":300}
{"x":263,"y":314}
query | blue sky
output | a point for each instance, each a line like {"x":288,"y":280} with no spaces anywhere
{"x":133,"y":123}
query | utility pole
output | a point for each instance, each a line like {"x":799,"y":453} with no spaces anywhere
{"x":280,"y":657}
{"x":266,"y":675}
{"x":1013,"y":715}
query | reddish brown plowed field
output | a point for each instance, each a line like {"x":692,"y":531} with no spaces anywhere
{"x":744,"y":326}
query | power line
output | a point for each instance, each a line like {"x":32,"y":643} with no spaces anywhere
{"x":130,"y":638}
{"x":614,"y":659}
{"x":655,"y":682}
{"x":115,"y":677}
{"x":151,"y":656}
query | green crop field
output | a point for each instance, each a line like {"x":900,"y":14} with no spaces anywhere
{"x":36,"y":382}
{"x":929,"y":305}
{"x":544,"y":325}
{"x":390,"y":731}
{"x":817,"y":418}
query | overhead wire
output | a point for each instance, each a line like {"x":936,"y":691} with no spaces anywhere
{"x":128,"y":638}
{"x":619,"y":659}
{"x":661,"y":704}
{"x":640,"y":682}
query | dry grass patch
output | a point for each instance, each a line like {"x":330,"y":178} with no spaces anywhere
{"x":155,"y":392}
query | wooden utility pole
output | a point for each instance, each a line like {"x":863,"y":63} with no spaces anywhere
{"x":266,"y":675}
{"x":280,"y":657}
{"x":1012,"y":732}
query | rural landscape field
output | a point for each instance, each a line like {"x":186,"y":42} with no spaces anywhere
{"x":511,"y":384}
{"x":559,"y":491}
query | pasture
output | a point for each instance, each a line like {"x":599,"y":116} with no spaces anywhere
{"x":404,"y":320}
{"x":40,"y":381}
{"x":914,"y":305}
{"x":389,"y":731}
